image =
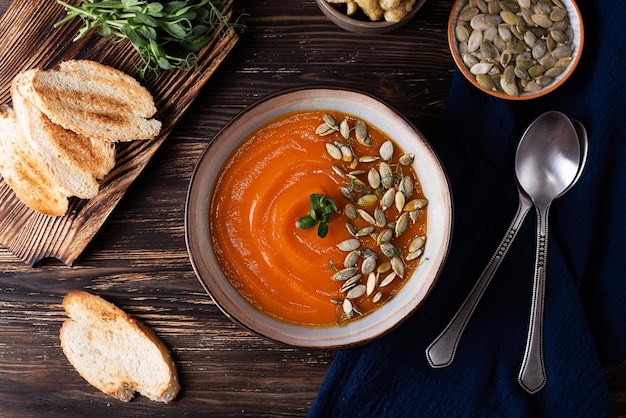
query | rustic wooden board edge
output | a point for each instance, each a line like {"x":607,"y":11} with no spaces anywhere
{"x":28,"y":40}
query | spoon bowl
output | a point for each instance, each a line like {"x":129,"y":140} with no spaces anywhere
{"x":583,"y":140}
{"x":546,"y":168}
{"x":547,"y":164}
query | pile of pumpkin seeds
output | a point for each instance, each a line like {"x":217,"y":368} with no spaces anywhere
{"x":377,"y":181}
{"x":515,"y":46}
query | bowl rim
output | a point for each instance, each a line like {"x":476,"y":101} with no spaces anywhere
{"x":571,"y":7}
{"x":221,"y":292}
{"x":362,"y":26}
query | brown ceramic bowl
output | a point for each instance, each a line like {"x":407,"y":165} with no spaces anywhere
{"x":576,"y":44}
{"x":413,"y":291}
{"x":363,"y":25}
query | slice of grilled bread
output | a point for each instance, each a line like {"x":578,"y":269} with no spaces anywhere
{"x":26,"y":171}
{"x":76,"y":160}
{"x":94,"y":100}
{"x":114,"y":351}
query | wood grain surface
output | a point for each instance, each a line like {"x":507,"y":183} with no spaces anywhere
{"x":138,"y":259}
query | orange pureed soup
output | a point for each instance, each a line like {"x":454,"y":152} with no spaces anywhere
{"x":264,"y":189}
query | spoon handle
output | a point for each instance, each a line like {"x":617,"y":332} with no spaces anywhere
{"x":441,"y":351}
{"x":532,"y":376}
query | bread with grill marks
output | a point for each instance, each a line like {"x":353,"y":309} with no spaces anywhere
{"x":26,"y":171}
{"x":57,"y":140}
{"x":77,"y":161}
{"x":94,"y":100}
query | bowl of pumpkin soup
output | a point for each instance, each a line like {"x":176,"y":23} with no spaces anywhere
{"x":318,"y":217}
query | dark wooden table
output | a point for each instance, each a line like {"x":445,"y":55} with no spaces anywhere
{"x":138,"y":260}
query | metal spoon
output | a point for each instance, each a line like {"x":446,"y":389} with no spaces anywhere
{"x":441,"y":351}
{"x":549,"y":161}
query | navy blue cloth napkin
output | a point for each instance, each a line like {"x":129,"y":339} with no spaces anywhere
{"x":585,"y":316}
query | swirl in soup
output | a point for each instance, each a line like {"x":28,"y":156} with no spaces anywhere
{"x":374,"y":240}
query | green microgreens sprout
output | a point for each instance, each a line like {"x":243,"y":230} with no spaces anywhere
{"x":166,"y":35}
{"x":320,"y":214}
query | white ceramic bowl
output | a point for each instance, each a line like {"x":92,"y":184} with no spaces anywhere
{"x":577,"y":45}
{"x":362,"y":25}
{"x":374,"y":112}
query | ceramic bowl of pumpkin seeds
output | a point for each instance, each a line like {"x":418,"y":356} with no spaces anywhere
{"x":516,"y":49}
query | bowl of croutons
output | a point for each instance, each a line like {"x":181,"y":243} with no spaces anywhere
{"x":370,"y":16}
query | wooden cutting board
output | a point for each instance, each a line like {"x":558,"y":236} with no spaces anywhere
{"x":28,"y":39}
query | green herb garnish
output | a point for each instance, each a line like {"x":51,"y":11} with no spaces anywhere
{"x":322,"y":208}
{"x":167,"y":35}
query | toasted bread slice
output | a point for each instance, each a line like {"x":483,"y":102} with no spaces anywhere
{"x":115,"y":352}
{"x":76,"y":160}
{"x":94,"y":100}
{"x":26,"y":171}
